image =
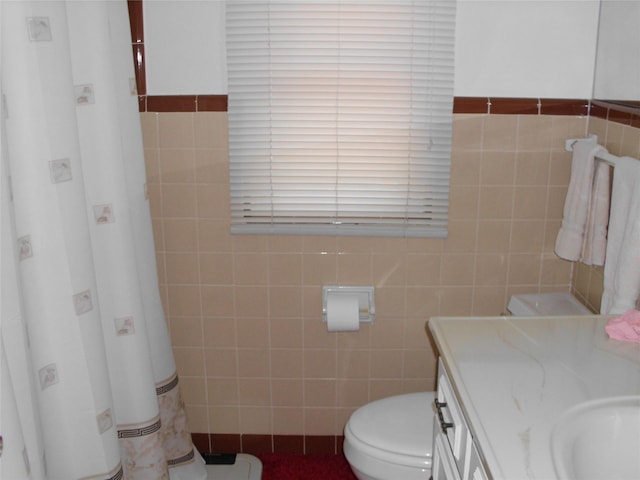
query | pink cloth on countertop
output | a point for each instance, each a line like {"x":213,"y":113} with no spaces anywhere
{"x":625,"y":327}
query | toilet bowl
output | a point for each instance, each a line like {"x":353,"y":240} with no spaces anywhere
{"x":391,"y":438}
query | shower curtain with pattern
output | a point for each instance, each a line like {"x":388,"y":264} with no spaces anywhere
{"x":89,"y":384}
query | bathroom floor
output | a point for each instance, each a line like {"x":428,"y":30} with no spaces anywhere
{"x":305,"y":467}
{"x":283,"y":467}
{"x":246,"y":467}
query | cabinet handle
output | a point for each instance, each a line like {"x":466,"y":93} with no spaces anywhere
{"x":443,"y":425}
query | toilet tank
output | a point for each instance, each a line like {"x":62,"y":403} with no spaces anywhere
{"x":545,"y":304}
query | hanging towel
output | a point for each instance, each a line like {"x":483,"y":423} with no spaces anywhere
{"x":594,"y":244}
{"x":570,"y":242}
{"x":622,"y":266}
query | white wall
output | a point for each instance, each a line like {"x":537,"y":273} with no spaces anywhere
{"x":618,"y":60}
{"x":184,"y":47}
{"x":504,"y":48}
{"x":526,"y":48}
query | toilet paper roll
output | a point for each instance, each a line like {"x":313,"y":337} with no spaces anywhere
{"x":343,"y":313}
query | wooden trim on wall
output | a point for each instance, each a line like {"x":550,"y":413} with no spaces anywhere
{"x":624,"y":114}
{"x":257,"y":444}
{"x":521,"y":106}
{"x":185,"y":103}
{"x":137,"y":43}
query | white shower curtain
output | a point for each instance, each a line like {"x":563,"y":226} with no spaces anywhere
{"x":89,"y":387}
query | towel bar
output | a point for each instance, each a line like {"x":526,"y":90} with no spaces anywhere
{"x":605,"y":157}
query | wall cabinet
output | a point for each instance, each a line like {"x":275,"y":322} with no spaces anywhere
{"x":455,"y":456}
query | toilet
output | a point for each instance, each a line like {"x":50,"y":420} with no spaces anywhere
{"x":541,"y":304}
{"x":391,"y":438}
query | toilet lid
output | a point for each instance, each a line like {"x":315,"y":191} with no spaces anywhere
{"x":402,"y":424}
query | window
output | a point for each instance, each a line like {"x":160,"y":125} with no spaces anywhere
{"x":340,"y":116}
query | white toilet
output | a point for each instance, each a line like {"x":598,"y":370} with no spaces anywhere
{"x":391,"y":438}
{"x":541,"y":304}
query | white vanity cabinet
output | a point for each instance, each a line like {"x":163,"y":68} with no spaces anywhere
{"x":455,"y":456}
{"x":508,"y":381}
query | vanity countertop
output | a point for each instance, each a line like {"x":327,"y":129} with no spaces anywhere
{"x":515,"y":376}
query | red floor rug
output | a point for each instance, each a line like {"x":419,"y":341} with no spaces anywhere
{"x":276,"y":466}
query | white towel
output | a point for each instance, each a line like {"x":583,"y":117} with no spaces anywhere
{"x":582,"y":210}
{"x":594,"y":244}
{"x":622,"y":267}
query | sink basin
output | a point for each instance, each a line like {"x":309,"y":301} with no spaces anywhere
{"x":598,"y":439}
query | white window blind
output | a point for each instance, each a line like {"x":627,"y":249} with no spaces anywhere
{"x":340,"y":116}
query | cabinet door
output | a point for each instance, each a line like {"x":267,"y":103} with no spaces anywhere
{"x":476,"y":470}
{"x":443,"y":465}
{"x":449,"y":415}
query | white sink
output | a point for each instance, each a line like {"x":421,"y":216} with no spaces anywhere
{"x":597,"y":440}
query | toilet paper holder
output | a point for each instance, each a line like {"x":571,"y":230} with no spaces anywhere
{"x":366,"y":304}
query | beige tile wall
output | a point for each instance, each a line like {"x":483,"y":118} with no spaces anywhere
{"x":619,"y":140}
{"x":245,"y":311}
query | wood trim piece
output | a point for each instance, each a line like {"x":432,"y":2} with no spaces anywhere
{"x":257,"y":444}
{"x":171,"y":103}
{"x":136,"y":26}
{"x":289,"y":444}
{"x":224,"y":443}
{"x":185,"y":103}
{"x":139,"y":67}
{"x":619,"y":116}
{"x":470,"y":105}
{"x":514,"y":106}
{"x":521,"y":106}
{"x":598,"y":111}
{"x":201,"y":441}
{"x":561,"y":106}
{"x":135,"y":21}
{"x":323,"y":444}
{"x":624,"y":114}
{"x":212,"y":103}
